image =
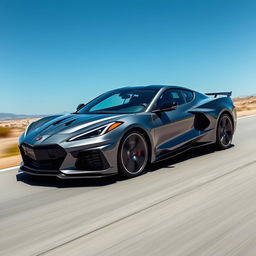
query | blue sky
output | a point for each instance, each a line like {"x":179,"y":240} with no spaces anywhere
{"x":56,"y":54}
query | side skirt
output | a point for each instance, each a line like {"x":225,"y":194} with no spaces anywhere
{"x":179,"y":151}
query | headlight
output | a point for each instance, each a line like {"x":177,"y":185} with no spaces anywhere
{"x":96,"y":132}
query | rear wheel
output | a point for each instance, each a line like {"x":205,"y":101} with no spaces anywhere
{"x":133,"y":154}
{"x":225,"y":132}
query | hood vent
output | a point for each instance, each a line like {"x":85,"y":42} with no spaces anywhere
{"x":59,"y":121}
{"x":70,"y":122}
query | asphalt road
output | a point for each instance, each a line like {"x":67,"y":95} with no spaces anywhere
{"x":200,"y":203}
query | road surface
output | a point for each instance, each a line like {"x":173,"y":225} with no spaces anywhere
{"x":200,"y":203}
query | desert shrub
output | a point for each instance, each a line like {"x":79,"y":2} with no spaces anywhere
{"x":12,"y":150}
{"x":4,"y":132}
{"x":242,"y":108}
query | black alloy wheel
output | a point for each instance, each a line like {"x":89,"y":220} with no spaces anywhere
{"x":225,"y":132}
{"x":133,"y":154}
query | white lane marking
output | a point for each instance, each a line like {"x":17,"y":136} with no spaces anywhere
{"x":9,"y":169}
{"x":16,"y":167}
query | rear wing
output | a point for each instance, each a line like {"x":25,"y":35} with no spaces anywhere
{"x":216,"y":94}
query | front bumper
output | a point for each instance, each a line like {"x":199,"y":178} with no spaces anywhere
{"x":67,"y":163}
{"x":62,"y":175}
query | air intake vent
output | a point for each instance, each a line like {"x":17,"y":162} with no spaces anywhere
{"x":91,"y":160}
{"x":43,"y":157}
{"x":201,"y":122}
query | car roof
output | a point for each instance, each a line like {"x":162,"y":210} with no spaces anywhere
{"x":155,"y":87}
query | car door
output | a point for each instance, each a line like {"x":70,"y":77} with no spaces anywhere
{"x":173,"y":128}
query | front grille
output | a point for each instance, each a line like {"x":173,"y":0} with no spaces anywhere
{"x":43,"y":157}
{"x":91,"y":160}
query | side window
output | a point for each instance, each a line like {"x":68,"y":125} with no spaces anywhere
{"x":170,"y":96}
{"x":188,"y":95}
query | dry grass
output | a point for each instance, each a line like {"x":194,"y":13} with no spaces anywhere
{"x":246,"y":105}
{"x":11,"y":130}
{"x":5,"y":132}
{"x":12,"y":150}
{"x":19,"y":124}
{"x":243,"y":108}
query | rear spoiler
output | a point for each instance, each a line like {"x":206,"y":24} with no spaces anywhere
{"x":215,"y":94}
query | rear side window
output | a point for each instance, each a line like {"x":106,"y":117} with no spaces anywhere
{"x":188,"y":95}
{"x":171,"y":96}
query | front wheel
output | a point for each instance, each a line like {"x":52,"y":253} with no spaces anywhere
{"x":133,"y":155}
{"x":225,"y":132}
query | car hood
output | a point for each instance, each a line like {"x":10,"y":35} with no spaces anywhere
{"x":70,"y":124}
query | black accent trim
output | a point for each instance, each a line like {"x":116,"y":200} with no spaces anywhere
{"x":91,"y":160}
{"x":201,"y":122}
{"x":42,"y":157}
{"x":59,"y":121}
{"x":61,"y":175}
{"x":38,"y":172}
{"x":215,"y":94}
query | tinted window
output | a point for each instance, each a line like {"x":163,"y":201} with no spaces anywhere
{"x":188,"y":95}
{"x":112,"y":101}
{"x":170,"y":96}
{"x":120,"y":101}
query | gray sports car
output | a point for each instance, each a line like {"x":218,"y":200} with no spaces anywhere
{"x":124,"y":130}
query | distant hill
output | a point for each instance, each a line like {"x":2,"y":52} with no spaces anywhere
{"x":11,"y":116}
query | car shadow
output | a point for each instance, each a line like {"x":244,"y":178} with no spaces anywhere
{"x":100,"y":182}
{"x":190,"y":154}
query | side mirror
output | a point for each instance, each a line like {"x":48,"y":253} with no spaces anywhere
{"x":125,"y":96}
{"x":166,"y":106}
{"x":80,"y":106}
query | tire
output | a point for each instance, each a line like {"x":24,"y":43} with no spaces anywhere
{"x":225,"y":132}
{"x":133,"y":154}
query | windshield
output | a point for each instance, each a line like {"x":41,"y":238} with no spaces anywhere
{"x":120,"y":101}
